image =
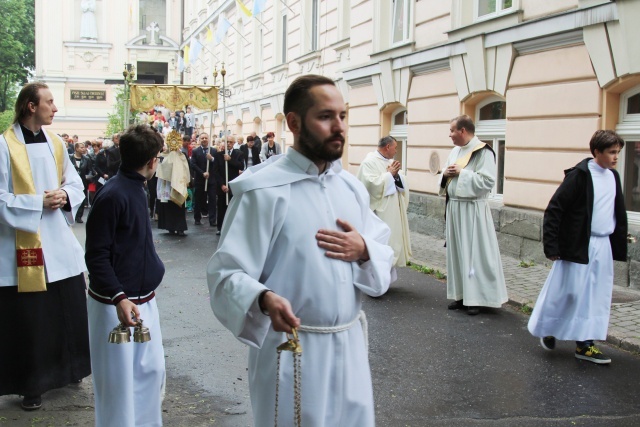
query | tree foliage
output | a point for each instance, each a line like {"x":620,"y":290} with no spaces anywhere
{"x":17,"y":47}
{"x":115,"y":121}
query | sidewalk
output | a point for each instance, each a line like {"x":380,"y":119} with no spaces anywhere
{"x":524,"y":285}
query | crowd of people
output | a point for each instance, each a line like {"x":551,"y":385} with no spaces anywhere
{"x":351,"y":247}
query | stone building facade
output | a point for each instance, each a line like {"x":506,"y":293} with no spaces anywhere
{"x":538,"y":77}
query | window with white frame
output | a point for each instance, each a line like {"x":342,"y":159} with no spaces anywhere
{"x":491,"y":8}
{"x":401,"y":21}
{"x":629,"y":162}
{"x":283,"y":40}
{"x":315,"y":24}
{"x":491,"y":120}
{"x":257,"y":47}
{"x":399,"y":130}
{"x":153,"y":19}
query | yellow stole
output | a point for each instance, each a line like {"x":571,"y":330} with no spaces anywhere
{"x":29,"y":257}
{"x":464,"y":161}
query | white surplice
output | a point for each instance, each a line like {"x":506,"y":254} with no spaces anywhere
{"x":389,"y":202}
{"x":575,"y":301}
{"x":268,"y":242}
{"x":63,"y":255}
{"x":474,"y":266}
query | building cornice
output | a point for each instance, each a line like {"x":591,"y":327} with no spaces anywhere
{"x":547,"y":32}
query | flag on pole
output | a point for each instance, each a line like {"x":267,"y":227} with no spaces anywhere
{"x":209,"y":37}
{"x":195,"y":49}
{"x":186,"y":55}
{"x":244,"y":9}
{"x":180,"y":64}
{"x":223,"y":27}
{"x":258,"y":6}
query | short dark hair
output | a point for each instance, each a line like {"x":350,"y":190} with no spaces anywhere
{"x":297,"y":98}
{"x":186,"y":138}
{"x":464,"y":122}
{"x":270,"y":135}
{"x":78,"y":144}
{"x":385,"y":140}
{"x":604,"y":139}
{"x":138,"y":145}
{"x":29,"y":93}
{"x":250,"y":138}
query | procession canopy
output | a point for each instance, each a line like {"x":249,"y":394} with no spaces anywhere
{"x":173,"y":97}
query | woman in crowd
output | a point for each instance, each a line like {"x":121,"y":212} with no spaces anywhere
{"x":270,"y":148}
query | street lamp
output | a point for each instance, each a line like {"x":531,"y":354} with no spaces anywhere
{"x":129,"y":74}
{"x":204,"y":79}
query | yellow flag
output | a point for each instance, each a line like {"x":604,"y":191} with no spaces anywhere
{"x":186,"y":55}
{"x":243,"y":8}
{"x":209,"y":37}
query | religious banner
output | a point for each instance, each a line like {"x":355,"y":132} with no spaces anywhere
{"x":173,"y":97}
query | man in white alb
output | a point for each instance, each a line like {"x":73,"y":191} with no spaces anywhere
{"x":315,"y":248}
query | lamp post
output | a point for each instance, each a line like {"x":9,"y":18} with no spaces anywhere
{"x":129,"y":75}
{"x":204,"y":80}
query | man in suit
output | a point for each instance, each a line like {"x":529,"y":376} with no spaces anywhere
{"x":234,"y":160}
{"x":250,"y":152}
{"x":113,"y":157}
{"x":82,"y":164}
{"x":200,"y":157}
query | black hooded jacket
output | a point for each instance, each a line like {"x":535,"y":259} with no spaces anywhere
{"x":567,"y":219}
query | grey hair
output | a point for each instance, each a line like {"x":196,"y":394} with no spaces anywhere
{"x":386,"y":140}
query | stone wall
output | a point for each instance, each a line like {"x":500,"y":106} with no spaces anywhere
{"x":519,"y":234}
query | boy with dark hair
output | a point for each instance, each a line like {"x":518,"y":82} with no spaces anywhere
{"x":585,"y":229}
{"x":124,"y":271}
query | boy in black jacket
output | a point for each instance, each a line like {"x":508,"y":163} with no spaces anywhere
{"x":585,"y":229}
{"x":124,"y":271}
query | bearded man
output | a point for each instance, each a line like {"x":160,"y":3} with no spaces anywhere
{"x":315,"y":248}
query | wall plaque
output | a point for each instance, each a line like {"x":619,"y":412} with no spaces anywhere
{"x":89,"y":95}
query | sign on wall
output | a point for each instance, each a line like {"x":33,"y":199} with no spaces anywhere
{"x":88,"y":95}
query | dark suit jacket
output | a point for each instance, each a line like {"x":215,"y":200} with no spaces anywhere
{"x":236,"y":164}
{"x":100,"y":165}
{"x":113,"y":161}
{"x":199,"y":164}
{"x":255,"y":154}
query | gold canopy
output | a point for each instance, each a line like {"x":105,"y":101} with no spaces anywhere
{"x":173,"y":97}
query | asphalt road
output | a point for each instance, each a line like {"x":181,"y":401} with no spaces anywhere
{"x":430,"y":366}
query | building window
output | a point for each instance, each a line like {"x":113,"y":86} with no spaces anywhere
{"x":283,"y":51}
{"x":399,"y":130}
{"x":490,"y":8}
{"x":315,"y":25}
{"x":153,"y":11}
{"x":400,"y":24}
{"x":629,"y":164}
{"x":491,"y":128}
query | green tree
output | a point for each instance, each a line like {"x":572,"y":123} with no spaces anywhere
{"x":17,"y":47}
{"x":6,"y":118}
{"x":115,"y":122}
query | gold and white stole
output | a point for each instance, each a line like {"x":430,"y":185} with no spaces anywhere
{"x":29,"y":257}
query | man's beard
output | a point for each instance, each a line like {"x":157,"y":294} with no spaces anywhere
{"x":316,"y":150}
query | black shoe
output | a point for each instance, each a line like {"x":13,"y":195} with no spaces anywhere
{"x":181,"y":233}
{"x":592,"y":354}
{"x":31,"y":403}
{"x":548,"y":343}
{"x":79,"y":221}
{"x":197,"y":223}
{"x":218,"y":233}
{"x":76,"y":381}
{"x":456,"y":305}
{"x":472,"y":311}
